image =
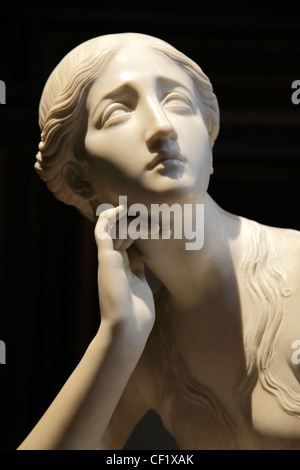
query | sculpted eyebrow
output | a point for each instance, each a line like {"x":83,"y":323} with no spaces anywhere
{"x":172,"y":84}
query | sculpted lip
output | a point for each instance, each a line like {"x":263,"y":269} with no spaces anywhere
{"x":162,"y":157}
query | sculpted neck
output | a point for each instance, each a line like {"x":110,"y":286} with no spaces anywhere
{"x":185,"y":272}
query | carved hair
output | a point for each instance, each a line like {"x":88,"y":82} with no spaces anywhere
{"x":265,"y":283}
{"x":62,"y":106}
{"x":261,"y":334}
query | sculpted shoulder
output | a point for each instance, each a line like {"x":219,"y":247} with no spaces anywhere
{"x":289,"y":258}
{"x":279,"y":246}
{"x":277,"y":252}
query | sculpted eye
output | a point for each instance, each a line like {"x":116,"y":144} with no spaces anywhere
{"x":113,"y":114}
{"x":177,"y":101}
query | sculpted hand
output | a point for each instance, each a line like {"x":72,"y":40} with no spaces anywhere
{"x":80,"y":413}
{"x":126,"y":300}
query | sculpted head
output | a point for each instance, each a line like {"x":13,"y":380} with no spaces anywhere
{"x":126,"y":114}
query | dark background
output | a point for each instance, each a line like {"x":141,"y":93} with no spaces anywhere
{"x":49,"y":306}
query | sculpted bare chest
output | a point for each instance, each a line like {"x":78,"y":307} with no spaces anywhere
{"x":243,"y":393}
{"x":201,"y":416}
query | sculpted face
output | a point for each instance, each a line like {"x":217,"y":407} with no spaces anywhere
{"x":145,"y":136}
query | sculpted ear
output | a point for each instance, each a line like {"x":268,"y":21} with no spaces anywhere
{"x":77,"y":181}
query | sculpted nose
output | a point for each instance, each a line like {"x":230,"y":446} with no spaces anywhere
{"x":159,"y":127}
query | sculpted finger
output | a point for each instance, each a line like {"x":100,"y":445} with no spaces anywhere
{"x":117,"y":225}
{"x":105,"y":226}
{"x":123,"y":245}
{"x":114,"y":214}
{"x":136,"y":262}
{"x":102,"y":235}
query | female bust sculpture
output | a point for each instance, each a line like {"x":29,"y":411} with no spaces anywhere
{"x":212,"y":352}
